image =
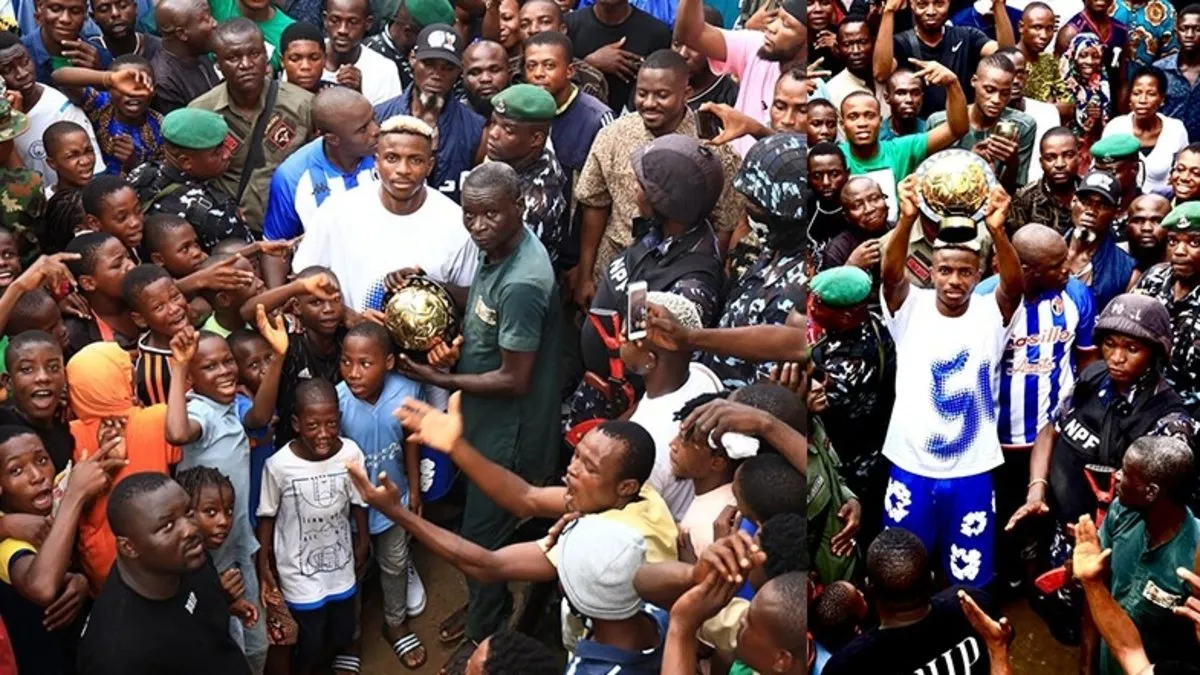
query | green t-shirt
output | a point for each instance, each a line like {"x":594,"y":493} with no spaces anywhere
{"x":272,"y":29}
{"x":1145,"y":585}
{"x":1025,"y":138}
{"x":513,"y":306}
{"x":897,"y":157}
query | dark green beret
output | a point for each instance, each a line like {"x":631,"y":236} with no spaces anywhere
{"x":194,"y":129}
{"x":525,"y":103}
{"x":428,"y":12}
{"x":1183,"y":218}
{"x":1117,"y":146}
{"x":844,"y":286}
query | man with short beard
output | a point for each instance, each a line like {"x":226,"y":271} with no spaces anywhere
{"x":1145,"y":239}
{"x":756,"y":58}
{"x":437,"y":63}
{"x":116,"y":19}
{"x":1048,"y":199}
{"x":904,"y":95}
{"x":826,"y":176}
{"x":485,"y":74}
{"x":1176,"y":283}
{"x":1009,"y":157}
{"x":866,"y":213}
{"x":1093,"y":256}
{"x":183,"y":68}
{"x":240,"y":99}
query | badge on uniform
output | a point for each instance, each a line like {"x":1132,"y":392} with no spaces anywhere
{"x":280,"y":133}
{"x":486,"y":314}
{"x":1158,"y":596}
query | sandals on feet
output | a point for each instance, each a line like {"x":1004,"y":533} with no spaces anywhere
{"x":408,"y":645}
{"x":454,"y":627}
{"x":347,"y":663}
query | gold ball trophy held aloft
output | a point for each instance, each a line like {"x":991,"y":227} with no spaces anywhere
{"x":952,"y":191}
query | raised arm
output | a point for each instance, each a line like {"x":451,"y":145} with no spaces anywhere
{"x":895,"y":279}
{"x":1012,"y":283}
{"x":260,"y":413}
{"x":320,"y":285}
{"x":181,"y":429}
{"x":1006,"y":35}
{"x":519,"y":562}
{"x":716,"y":418}
{"x":1089,"y":564}
{"x":693,"y":31}
{"x":442,"y":431}
{"x":771,"y":342}
{"x":884,"y":61}
{"x":958,"y":121}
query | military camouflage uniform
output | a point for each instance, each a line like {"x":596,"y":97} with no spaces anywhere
{"x":545,"y":203}
{"x":23,"y":205}
{"x":1183,"y":372}
{"x":211,"y":211}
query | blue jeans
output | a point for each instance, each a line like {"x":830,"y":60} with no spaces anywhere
{"x":954,"y":517}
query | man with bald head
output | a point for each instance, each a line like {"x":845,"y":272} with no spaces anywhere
{"x":1145,"y":239}
{"x":340,"y":158}
{"x":183,"y":69}
{"x":485,"y":73}
{"x":865,"y":209}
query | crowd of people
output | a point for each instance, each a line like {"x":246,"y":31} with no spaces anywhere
{"x":1012,"y":404}
{"x":219,"y":450}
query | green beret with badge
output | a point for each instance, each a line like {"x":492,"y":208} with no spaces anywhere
{"x":525,"y":103}
{"x":841,"y":287}
{"x":194,"y":129}
{"x":1183,"y":218}
{"x":1115,"y":147}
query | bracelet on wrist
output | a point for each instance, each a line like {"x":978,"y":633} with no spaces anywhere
{"x":1035,"y":481}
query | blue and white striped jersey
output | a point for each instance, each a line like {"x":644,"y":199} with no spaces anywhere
{"x":1038,"y":368}
{"x":302,"y":183}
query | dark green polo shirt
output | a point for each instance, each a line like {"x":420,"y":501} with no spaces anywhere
{"x":513,"y":305}
{"x":1144,"y":583}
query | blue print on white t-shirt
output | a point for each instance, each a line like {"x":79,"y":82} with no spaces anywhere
{"x":972,"y":406}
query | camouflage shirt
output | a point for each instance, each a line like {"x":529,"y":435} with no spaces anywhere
{"x":1183,"y":372}
{"x":211,"y":211}
{"x":543,"y":191}
{"x":24,"y":206}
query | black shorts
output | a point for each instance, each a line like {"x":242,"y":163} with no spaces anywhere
{"x":324,"y":630}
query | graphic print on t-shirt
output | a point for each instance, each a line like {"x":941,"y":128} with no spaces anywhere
{"x":324,"y":529}
{"x":970,"y":404}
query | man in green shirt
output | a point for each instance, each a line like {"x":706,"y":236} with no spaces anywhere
{"x":888,"y":162}
{"x":240,"y":99}
{"x":270,"y":20}
{"x":507,"y":370}
{"x":1151,"y":533}
{"x":1009,"y":157}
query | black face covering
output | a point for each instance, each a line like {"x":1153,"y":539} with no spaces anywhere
{"x":642,"y":225}
{"x":783,"y":234}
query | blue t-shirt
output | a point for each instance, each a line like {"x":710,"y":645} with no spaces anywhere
{"x":593,"y":658}
{"x":302,"y":183}
{"x":262,"y":446}
{"x":377,"y":431}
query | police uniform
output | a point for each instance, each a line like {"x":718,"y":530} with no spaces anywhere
{"x":1118,"y":148}
{"x":22,"y":201}
{"x":162,"y":188}
{"x":289,"y":127}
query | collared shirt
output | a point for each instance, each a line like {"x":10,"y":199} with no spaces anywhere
{"x":302,"y":183}
{"x":223,"y":445}
{"x":543,"y":186}
{"x":1034,"y":203}
{"x":289,"y":127}
{"x":147,"y":138}
{"x":1145,"y":585}
{"x":608,"y":179}
{"x":1183,"y":372}
{"x":459,"y":132}
{"x":1045,"y":81}
{"x":46,"y":63}
{"x":765,"y":295}
{"x":1151,"y":30}
{"x":919,"y":264}
{"x":211,"y":211}
{"x":1183,"y":97}
{"x":178,"y":80}
{"x":886,"y":133}
{"x":594,"y":658}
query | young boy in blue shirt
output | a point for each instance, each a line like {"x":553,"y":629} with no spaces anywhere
{"x":368,"y":395}
{"x":205,"y":422}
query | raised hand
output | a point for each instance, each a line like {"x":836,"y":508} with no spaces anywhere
{"x":225,"y":276}
{"x":1088,"y":562}
{"x":183,"y":345}
{"x":322,"y":286}
{"x":994,"y":633}
{"x":49,"y":271}
{"x":999,"y":202}
{"x":377,"y":496}
{"x":790,"y":375}
{"x":734,"y":123}
{"x":664,"y":332}
{"x":396,"y":279}
{"x":907,"y":193}
{"x":92,"y":477}
{"x":350,"y":76}
{"x":82,"y":54}
{"x":431,"y":427}
{"x":934,"y":73}
{"x":731,"y":557}
{"x":275,"y":335}
{"x":130,"y":82}
{"x":866,"y":255}
{"x":121,"y":146}
{"x":111,"y":438}
{"x":702,"y":601}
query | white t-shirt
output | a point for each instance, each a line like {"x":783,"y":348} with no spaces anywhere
{"x":380,"y":79}
{"x":1046,"y":116}
{"x":703,"y":512}
{"x":52,"y":107}
{"x":310,"y":502}
{"x":362,"y":242}
{"x":657,"y":416}
{"x":944,"y":421}
{"x":1172,"y":139}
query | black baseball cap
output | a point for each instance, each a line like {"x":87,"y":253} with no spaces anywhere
{"x":439,"y":41}
{"x":1102,"y":183}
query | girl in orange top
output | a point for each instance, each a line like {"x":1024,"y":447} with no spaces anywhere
{"x":100,"y":385}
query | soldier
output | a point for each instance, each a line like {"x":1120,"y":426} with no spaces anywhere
{"x":241,"y":99}
{"x":517,"y":136}
{"x":22,"y":202}
{"x":183,"y":182}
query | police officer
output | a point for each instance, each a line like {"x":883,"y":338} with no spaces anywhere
{"x":521,"y":117}
{"x":22,"y":202}
{"x":1120,"y":155}
{"x":182,"y":183}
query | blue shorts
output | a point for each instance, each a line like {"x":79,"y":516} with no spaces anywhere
{"x":954,"y":517}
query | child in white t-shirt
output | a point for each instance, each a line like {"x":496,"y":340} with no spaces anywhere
{"x":711,"y":472}
{"x":304,"y":512}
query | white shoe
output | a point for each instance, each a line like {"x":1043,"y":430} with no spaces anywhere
{"x":416,"y":592}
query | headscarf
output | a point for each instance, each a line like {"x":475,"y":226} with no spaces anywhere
{"x":100,"y":382}
{"x":1085,"y":90}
